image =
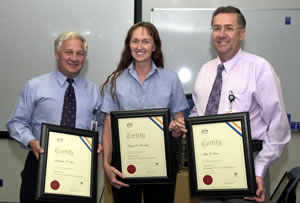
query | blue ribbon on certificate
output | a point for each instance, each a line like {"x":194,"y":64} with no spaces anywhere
{"x":234,"y":126}
{"x":87,"y":143}
{"x":157,"y":122}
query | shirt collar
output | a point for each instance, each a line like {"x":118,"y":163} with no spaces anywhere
{"x":63,"y":79}
{"x":232,"y":62}
{"x":132,"y":71}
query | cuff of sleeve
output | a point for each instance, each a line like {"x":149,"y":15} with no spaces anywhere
{"x":100,"y":137}
{"x":260,"y":170}
{"x":194,"y":114}
{"x":26,"y":141}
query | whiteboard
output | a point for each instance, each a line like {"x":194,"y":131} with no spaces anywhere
{"x":187,"y":44}
{"x":29,"y":28}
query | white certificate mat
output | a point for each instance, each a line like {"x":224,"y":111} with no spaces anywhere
{"x":219,"y":155}
{"x":68,"y":169}
{"x":142,"y":146}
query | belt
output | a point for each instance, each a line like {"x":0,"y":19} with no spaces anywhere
{"x":256,"y":145}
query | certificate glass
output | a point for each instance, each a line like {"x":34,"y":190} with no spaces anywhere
{"x":67,"y":170}
{"x":142,"y":146}
{"x":221,"y":159}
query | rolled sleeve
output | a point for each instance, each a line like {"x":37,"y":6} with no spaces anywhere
{"x":109,"y":104}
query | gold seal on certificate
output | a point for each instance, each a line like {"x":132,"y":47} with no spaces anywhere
{"x":67,"y":169}
{"x":221,"y":159}
{"x":142,"y":145}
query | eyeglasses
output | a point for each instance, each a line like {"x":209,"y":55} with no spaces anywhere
{"x":227,"y":28}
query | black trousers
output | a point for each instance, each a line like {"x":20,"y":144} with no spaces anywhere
{"x":29,"y":179}
{"x":156,"y":193}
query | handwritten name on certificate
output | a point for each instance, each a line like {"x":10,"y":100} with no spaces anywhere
{"x":142,"y":147}
{"x":68,"y":167}
{"x":219,"y":155}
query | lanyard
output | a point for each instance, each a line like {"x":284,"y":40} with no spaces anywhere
{"x":231,"y":98}
{"x":94,"y":122}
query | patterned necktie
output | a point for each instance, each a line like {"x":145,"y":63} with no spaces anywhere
{"x":68,"y":117}
{"x":212,"y":106}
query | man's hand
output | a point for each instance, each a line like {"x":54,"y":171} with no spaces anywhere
{"x":260,"y":192}
{"x":36,"y":148}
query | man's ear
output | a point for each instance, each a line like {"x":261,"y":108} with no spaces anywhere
{"x":56,"y":55}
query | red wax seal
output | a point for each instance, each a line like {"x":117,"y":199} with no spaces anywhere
{"x":131,"y":169}
{"x":207,"y":180}
{"x":54,"y":184}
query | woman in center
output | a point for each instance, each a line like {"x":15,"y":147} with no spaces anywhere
{"x":141,"y":82}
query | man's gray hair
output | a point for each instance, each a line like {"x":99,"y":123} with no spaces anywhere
{"x":69,"y":35}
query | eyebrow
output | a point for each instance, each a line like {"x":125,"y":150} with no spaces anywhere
{"x":224,"y":25}
{"x":146,"y":38}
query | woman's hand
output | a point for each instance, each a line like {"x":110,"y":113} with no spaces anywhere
{"x":177,"y":127}
{"x":111,"y":174}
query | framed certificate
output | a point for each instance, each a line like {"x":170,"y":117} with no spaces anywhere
{"x":220,"y":155}
{"x":142,"y":146}
{"x":281,"y":190}
{"x":67,"y":170}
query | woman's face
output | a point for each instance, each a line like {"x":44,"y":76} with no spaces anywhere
{"x":141,"y":45}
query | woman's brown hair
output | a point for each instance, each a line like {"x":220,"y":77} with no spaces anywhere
{"x":126,"y":57}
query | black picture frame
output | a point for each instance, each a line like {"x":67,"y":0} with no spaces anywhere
{"x":60,"y":162}
{"x":141,"y":119}
{"x":281,"y":189}
{"x":211,"y":155}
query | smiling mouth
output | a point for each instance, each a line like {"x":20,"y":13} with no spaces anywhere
{"x":222,"y":42}
{"x":140,"y":53}
{"x":73,"y":65}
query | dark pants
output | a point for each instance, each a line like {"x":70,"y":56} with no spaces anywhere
{"x":29,"y":179}
{"x":152,"y":194}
